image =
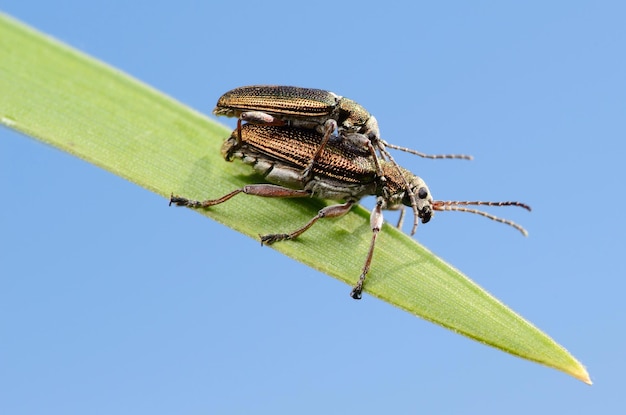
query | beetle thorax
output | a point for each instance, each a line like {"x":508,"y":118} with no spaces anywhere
{"x":351,"y":116}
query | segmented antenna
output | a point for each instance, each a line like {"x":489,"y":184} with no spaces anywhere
{"x":427,"y":156}
{"x":382,"y":145}
{"x":384,"y":153}
{"x":459,"y":206}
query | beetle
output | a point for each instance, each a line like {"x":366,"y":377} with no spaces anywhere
{"x":312,"y":108}
{"x":298,"y":107}
{"x":345,"y":172}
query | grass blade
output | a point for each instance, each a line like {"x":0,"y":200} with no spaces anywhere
{"x":80,"y":105}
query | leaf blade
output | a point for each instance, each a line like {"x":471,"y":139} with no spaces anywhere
{"x":84,"y":107}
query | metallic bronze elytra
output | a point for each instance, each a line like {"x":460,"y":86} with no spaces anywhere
{"x":316,"y":109}
{"x":298,"y":107}
{"x":342,"y":160}
{"x":345,"y":172}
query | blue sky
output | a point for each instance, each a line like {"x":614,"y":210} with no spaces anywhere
{"x":102,"y":311}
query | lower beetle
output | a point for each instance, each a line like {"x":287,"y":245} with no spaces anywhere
{"x":345,"y":172}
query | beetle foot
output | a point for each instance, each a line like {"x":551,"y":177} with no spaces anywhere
{"x":270,"y":239}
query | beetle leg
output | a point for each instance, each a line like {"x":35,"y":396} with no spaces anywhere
{"x":261,"y":118}
{"x":333,"y":211}
{"x":263,"y":190}
{"x":376,"y":222}
{"x":401,"y":218}
{"x":379,"y":170}
{"x":329,"y":127}
{"x":257,"y":117}
{"x":361,"y":140}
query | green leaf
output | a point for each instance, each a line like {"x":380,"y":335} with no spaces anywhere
{"x":80,"y":105}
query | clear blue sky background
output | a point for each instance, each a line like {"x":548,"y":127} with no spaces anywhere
{"x":116,"y":304}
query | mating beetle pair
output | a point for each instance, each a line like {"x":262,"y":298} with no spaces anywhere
{"x":323,"y":111}
{"x":294,"y":150}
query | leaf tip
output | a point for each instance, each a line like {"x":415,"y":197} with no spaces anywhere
{"x":582,"y":374}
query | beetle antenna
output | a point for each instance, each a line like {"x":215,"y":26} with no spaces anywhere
{"x":427,"y":156}
{"x":384,"y":153}
{"x":382,"y":145}
{"x":459,"y":206}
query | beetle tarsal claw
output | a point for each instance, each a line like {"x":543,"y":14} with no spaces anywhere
{"x":357,"y":291}
{"x":272,"y":238}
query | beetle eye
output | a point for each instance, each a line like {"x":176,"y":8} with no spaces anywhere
{"x":422,"y":193}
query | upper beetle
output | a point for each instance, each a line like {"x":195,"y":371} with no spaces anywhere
{"x":308,"y":108}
